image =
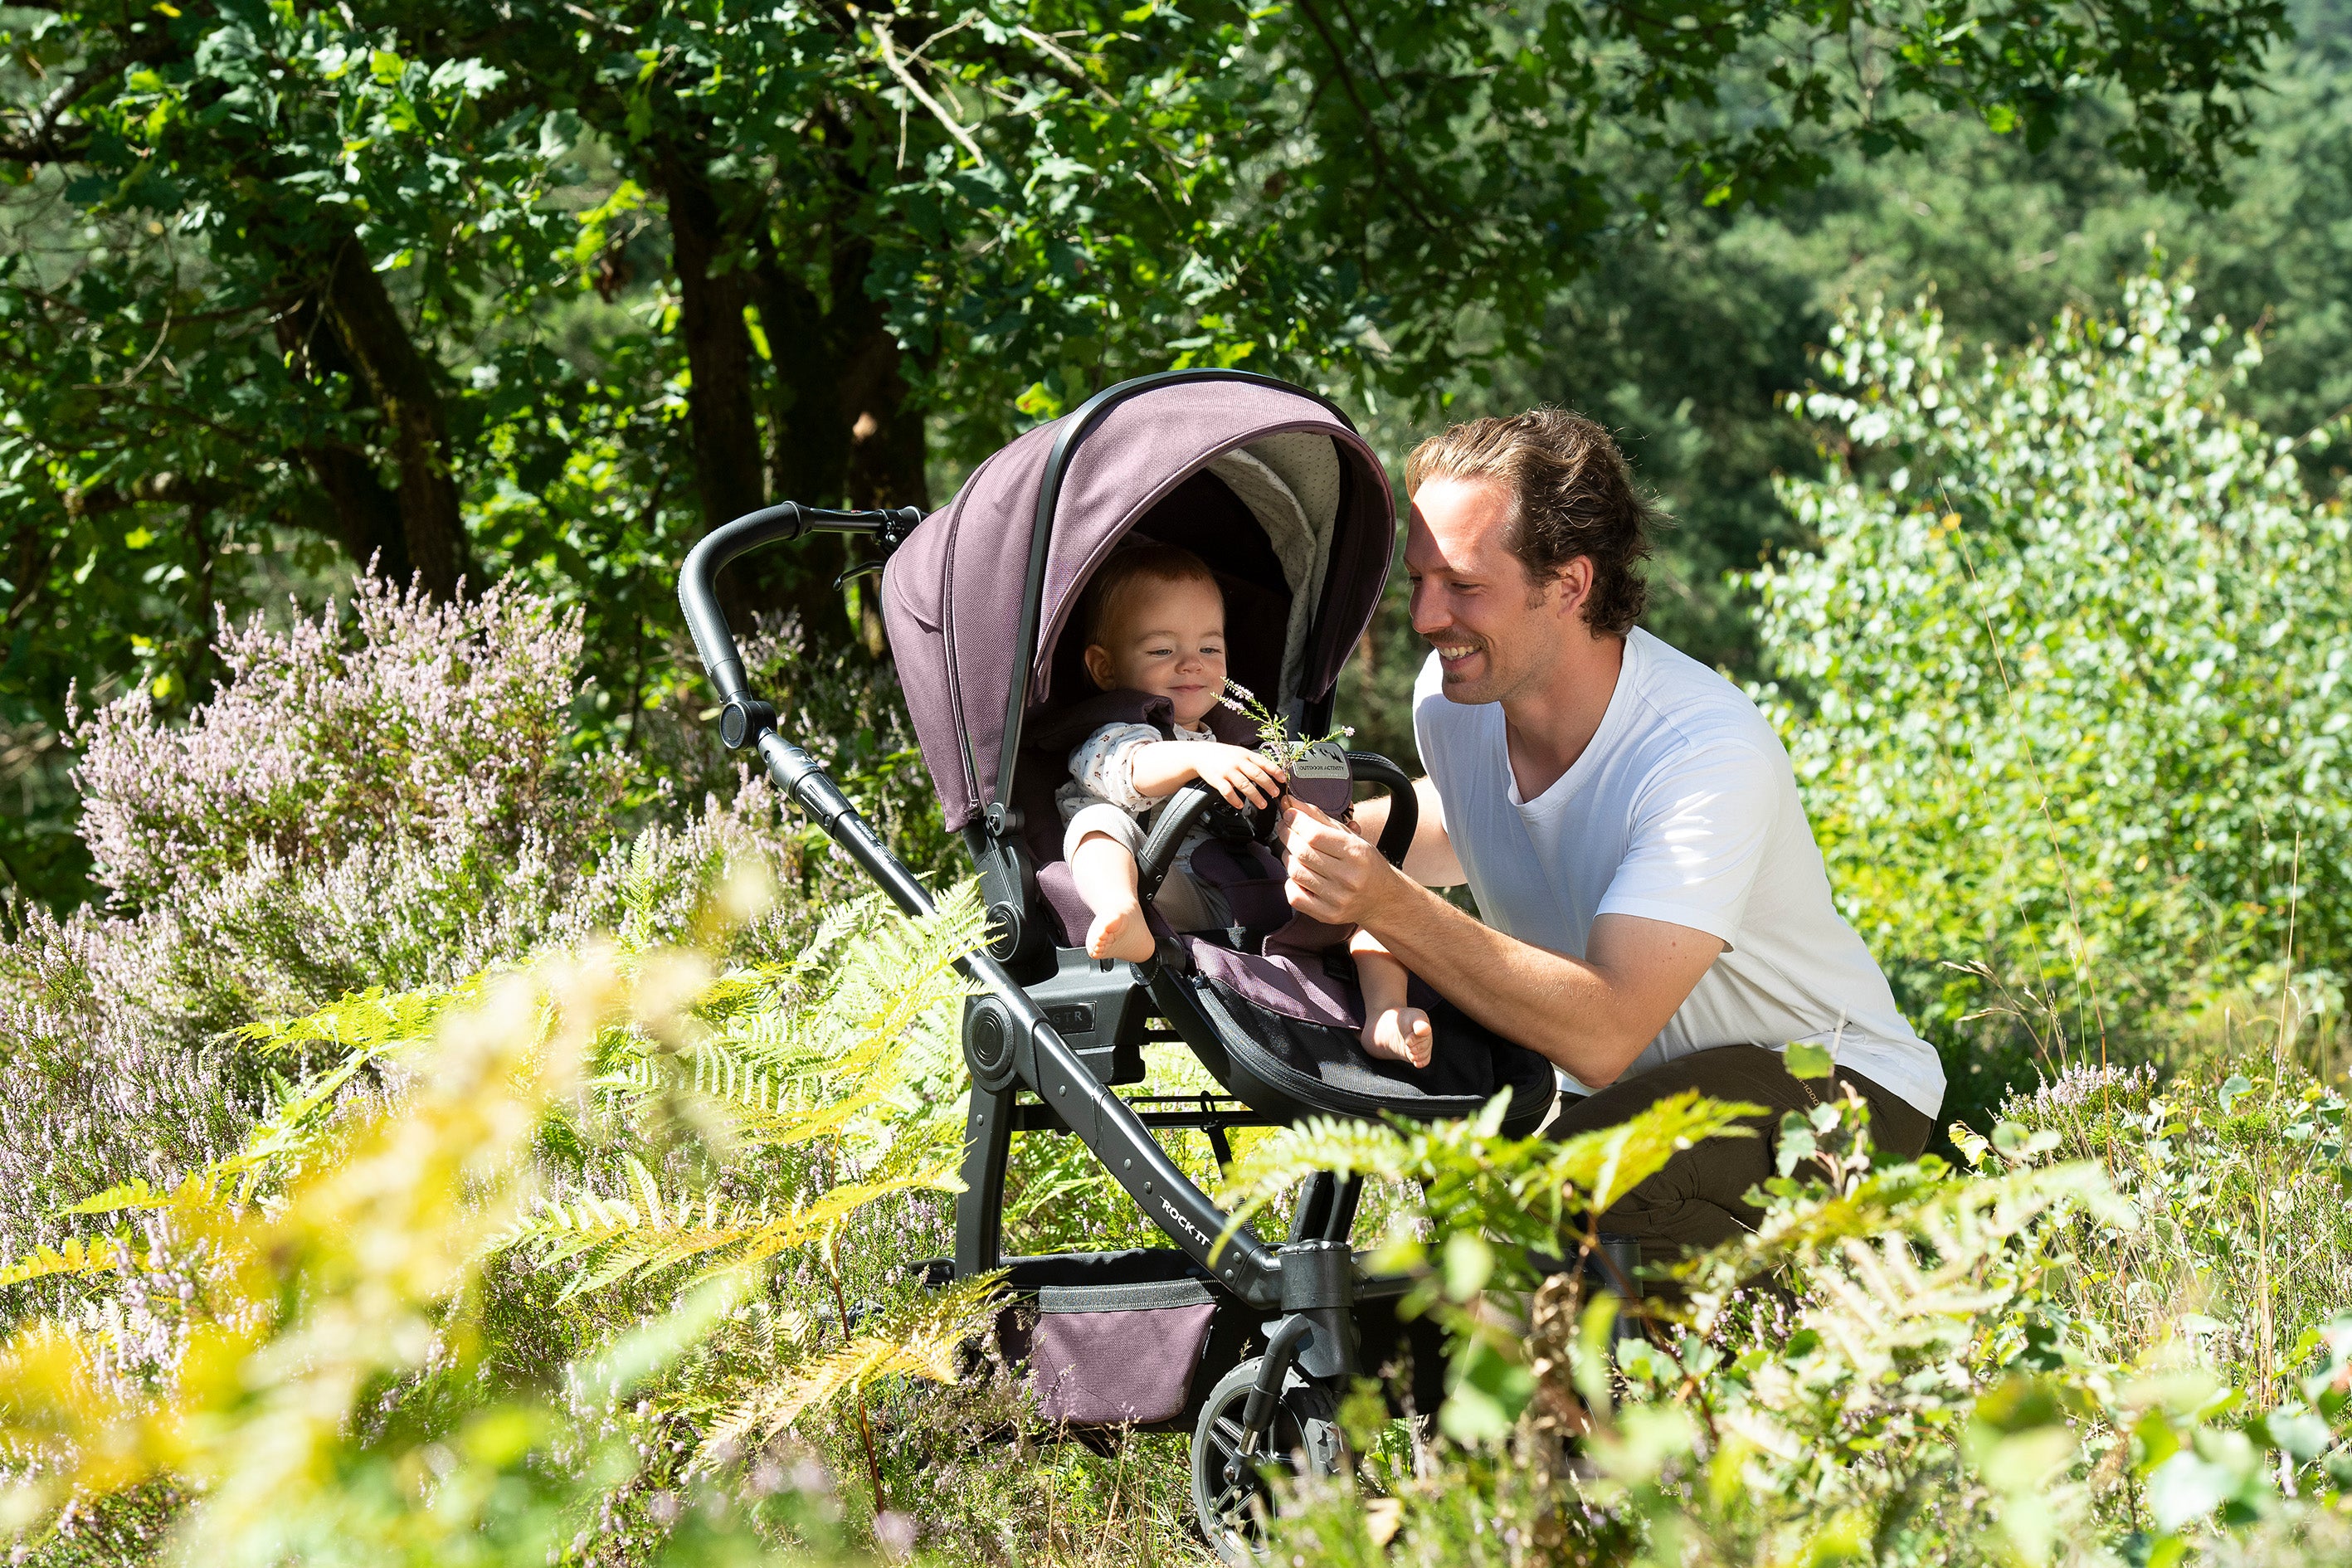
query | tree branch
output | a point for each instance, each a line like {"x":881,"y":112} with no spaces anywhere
{"x":922,"y":96}
{"x":39,"y":143}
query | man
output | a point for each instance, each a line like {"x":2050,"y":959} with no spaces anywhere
{"x":1658,"y":916}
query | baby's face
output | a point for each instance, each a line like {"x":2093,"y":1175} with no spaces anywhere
{"x":1168,"y":639}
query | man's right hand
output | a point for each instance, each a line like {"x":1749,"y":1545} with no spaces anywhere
{"x":1431,"y":860}
{"x":1335,"y":874}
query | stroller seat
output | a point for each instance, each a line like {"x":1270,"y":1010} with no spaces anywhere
{"x":1270,"y":1007}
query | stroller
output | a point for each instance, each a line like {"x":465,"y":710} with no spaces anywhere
{"x":1245,"y":1345}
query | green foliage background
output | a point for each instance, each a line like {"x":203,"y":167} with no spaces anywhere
{"x":540,"y":291}
{"x":448,"y":1113}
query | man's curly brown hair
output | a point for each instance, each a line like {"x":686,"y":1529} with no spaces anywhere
{"x":1573,"y":495}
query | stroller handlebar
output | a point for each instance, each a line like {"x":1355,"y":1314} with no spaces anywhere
{"x":697,"y":583}
{"x":1048,"y":1065}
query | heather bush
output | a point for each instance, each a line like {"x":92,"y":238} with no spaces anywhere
{"x":602,"y":1262}
{"x":310,"y":1351}
{"x":388,"y":796}
{"x":406,"y":720}
{"x":92,"y":1091}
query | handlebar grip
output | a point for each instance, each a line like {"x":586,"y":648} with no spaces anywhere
{"x":698,"y":589}
{"x":1404,"y":802}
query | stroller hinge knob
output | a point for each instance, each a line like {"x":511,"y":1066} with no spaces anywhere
{"x":743,"y":720}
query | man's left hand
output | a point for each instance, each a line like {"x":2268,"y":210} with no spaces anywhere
{"x":1335,"y":875}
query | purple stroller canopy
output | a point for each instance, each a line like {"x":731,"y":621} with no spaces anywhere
{"x":952,"y":595}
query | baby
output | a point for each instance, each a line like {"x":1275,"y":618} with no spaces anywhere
{"x":1154,"y":623}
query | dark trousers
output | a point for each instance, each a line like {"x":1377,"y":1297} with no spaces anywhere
{"x":1698,"y":1199}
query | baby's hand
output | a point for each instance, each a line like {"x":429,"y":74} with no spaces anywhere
{"x":1243,"y":777}
{"x":1400,"y":1035}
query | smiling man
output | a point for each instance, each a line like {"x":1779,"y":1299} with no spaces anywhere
{"x":1658,"y":915}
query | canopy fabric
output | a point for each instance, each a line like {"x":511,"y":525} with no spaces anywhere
{"x":951,"y":594}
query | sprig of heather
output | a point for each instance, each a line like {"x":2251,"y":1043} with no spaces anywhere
{"x":1273,"y":736}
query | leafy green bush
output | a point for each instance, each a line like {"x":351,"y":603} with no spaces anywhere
{"x":1906,"y":1362}
{"x":2064,"y":683}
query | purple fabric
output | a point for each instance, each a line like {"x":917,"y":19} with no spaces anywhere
{"x":1332,"y":798}
{"x":1109,"y":1368}
{"x":1061,"y":891}
{"x":1279,"y":983}
{"x":951,"y":594}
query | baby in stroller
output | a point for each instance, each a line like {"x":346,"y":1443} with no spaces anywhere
{"x":1154,"y":624}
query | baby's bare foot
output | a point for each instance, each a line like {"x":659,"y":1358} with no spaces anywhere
{"x":1400,"y":1034}
{"x":1121,"y":933}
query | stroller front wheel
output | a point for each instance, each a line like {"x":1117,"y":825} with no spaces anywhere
{"x":1232,"y":1491}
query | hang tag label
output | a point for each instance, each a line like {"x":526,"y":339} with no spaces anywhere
{"x":1321,"y":761}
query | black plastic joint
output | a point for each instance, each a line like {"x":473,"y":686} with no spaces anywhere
{"x":991,"y":1041}
{"x":825,"y":802}
{"x":1318,"y":1274}
{"x":743,"y":721}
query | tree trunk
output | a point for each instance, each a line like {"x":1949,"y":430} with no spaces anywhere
{"x":808,"y":446}
{"x":720,"y":413}
{"x":401,"y":383}
{"x":359,"y":513}
{"x":886,"y":437}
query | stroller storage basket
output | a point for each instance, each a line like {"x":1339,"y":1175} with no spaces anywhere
{"x":1130,"y":1340}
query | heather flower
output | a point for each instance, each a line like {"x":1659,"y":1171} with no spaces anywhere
{"x":1275,"y":739}
{"x":2084,"y":1083}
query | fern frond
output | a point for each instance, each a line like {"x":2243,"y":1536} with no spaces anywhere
{"x":926,"y":1338}
{"x":369,"y":1022}
{"x":865,"y":1050}
{"x":1278,"y":1161}
{"x":769,"y":1108}
{"x":619,"y":1238}
{"x":197,"y":1194}
{"x":102,"y":1255}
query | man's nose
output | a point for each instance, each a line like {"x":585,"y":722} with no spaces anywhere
{"x":1429,"y":616}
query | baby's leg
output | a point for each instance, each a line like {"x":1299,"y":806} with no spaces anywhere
{"x":1392,"y":1029}
{"x":1104,"y":870}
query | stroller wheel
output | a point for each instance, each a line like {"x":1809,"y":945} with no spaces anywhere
{"x":1232,"y":1493}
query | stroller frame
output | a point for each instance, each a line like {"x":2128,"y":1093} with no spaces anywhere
{"x":1064,"y":1029}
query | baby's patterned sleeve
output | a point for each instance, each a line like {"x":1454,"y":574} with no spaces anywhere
{"x":1103,"y":765}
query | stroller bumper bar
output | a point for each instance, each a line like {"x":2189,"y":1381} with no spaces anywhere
{"x":1047,"y":1065}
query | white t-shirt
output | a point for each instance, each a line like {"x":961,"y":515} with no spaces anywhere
{"x":1684,"y":808}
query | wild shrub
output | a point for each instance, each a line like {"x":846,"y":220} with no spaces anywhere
{"x":388,"y":796}
{"x":2064,"y":682}
{"x":462,"y":1292}
{"x":1906,"y":1362}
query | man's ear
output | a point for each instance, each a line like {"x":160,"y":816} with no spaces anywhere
{"x":1097,"y":659}
{"x":1574,"y":586}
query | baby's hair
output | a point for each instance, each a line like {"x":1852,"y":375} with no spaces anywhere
{"x":1146,"y":562}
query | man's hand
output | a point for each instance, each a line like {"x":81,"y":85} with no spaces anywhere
{"x":1335,"y":875}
